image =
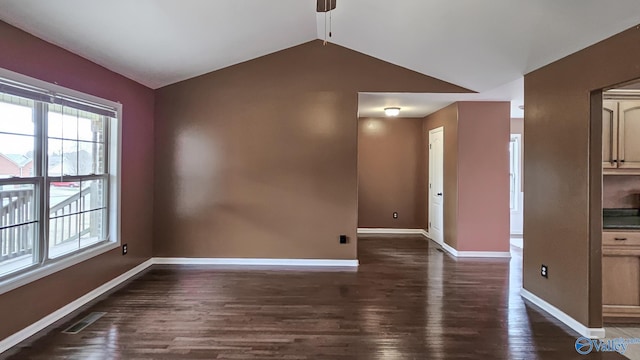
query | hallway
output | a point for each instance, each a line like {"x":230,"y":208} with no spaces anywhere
{"x":408,"y":300}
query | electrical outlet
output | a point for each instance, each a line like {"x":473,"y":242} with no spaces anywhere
{"x":544,"y":271}
{"x":395,"y":214}
{"x":125,"y":249}
{"x":343,"y":239}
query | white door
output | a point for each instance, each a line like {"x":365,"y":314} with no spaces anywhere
{"x":436,"y":184}
{"x":515,"y":191}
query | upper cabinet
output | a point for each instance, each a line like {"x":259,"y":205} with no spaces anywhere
{"x":620,"y":134}
{"x":629,"y":134}
{"x":609,"y":134}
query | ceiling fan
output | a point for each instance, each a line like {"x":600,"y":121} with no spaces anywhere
{"x":326,"y":6}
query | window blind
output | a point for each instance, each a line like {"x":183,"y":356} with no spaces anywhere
{"x":37,"y":94}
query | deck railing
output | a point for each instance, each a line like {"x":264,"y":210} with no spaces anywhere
{"x":65,"y":225}
{"x":16,"y":207}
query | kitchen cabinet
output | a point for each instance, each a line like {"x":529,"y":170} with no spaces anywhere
{"x":629,"y":134}
{"x":609,"y":134}
{"x":621,"y":276}
{"x":620,"y":129}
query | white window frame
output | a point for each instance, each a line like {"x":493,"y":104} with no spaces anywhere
{"x":50,"y":266}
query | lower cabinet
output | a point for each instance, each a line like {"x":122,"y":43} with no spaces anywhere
{"x":621,"y":276}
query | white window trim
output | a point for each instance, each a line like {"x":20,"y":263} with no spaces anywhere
{"x":115,"y":205}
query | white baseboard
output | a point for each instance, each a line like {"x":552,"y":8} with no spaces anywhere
{"x":475,"y":254}
{"x":448,"y":248}
{"x":41,"y":324}
{"x":592,"y":333}
{"x":390,"y":231}
{"x":517,"y":242}
{"x":259,"y":262}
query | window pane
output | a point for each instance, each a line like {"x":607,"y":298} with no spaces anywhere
{"x":92,"y":228}
{"x":54,"y":123}
{"x":17,"y":227}
{"x":17,"y":248}
{"x":16,"y":155}
{"x":54,"y":157}
{"x":64,"y":235}
{"x":17,"y":204}
{"x":69,"y":157}
{"x":90,"y":158}
{"x":93,"y":195}
{"x":64,"y":198}
{"x":77,"y":215}
{"x":91,"y":127}
{"x":72,"y":124}
{"x":16,"y":115}
{"x":62,"y":122}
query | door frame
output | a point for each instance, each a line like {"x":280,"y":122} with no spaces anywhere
{"x":516,"y":209}
{"x":430,"y":190}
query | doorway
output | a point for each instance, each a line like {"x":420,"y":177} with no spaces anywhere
{"x":436,"y":184}
{"x":515,"y":188}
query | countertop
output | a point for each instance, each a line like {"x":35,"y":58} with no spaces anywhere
{"x":621,"y":219}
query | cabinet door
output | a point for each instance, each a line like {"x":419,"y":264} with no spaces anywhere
{"x":609,"y":134}
{"x":629,"y":134}
{"x":621,"y":280}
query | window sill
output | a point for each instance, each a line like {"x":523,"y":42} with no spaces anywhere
{"x":38,"y":273}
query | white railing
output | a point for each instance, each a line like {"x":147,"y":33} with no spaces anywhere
{"x":16,"y":207}
{"x":63,"y":228}
{"x":67,"y":223}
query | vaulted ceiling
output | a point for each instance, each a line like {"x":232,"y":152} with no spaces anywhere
{"x":481,"y":45}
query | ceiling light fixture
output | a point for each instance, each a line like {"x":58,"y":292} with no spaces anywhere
{"x":392,"y":111}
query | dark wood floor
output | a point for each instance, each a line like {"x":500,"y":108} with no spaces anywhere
{"x":408,"y":300}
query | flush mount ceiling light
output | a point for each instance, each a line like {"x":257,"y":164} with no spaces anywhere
{"x":392,"y":111}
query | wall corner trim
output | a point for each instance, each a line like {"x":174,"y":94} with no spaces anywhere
{"x":256,"y":262}
{"x":592,"y":333}
{"x":15,"y":339}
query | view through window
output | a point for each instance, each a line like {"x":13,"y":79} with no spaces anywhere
{"x":54,"y":177}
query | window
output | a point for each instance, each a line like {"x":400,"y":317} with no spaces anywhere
{"x":59,"y":183}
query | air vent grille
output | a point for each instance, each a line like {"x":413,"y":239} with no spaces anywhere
{"x":83,"y":323}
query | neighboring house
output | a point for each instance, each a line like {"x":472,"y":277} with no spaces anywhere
{"x":15,"y":165}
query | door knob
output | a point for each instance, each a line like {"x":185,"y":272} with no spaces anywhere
{"x":439,"y":194}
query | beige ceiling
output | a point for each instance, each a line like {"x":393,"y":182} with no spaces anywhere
{"x":481,"y":45}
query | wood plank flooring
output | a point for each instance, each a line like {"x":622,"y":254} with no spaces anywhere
{"x":407,"y":300}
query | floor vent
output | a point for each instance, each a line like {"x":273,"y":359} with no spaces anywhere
{"x":82,"y":324}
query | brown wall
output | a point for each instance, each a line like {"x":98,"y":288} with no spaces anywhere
{"x":28,"y":55}
{"x":621,"y":192}
{"x":390,"y":176}
{"x":476,"y":174}
{"x":260,"y":159}
{"x":563,"y":174}
{"x":483,"y":176}
{"x":448,"y":118}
